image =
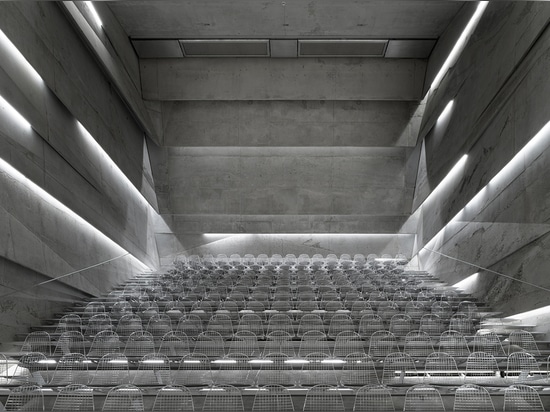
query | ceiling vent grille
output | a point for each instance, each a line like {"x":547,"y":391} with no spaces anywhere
{"x":341,"y":48}
{"x":225,"y":48}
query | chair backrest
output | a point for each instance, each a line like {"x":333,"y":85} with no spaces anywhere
{"x":223,"y":398}
{"x":318,"y":368}
{"x":275,"y":369}
{"x":520,"y":366}
{"x":38,"y":341}
{"x":418,"y":344}
{"x":471,"y":397}
{"x":358,"y":370}
{"x":440,"y":367}
{"x":323,"y":398}
{"x":27,"y":397}
{"x":423,"y":398}
{"x":153,"y":369}
{"x":524,"y":340}
{"x":486,"y":340}
{"x":173,"y":398}
{"x":174,"y":344}
{"x":396,"y":367}
{"x":105,"y":341}
{"x":348,"y":342}
{"x":373,"y":398}
{"x":194,"y":370}
{"x":522,"y":398}
{"x":112,"y":369}
{"x":310,"y":322}
{"x":71,"y":369}
{"x":382,"y":343}
{"x":453,"y":343}
{"x":71,"y":341}
{"x":123,"y":398}
{"x":273,"y":397}
{"x":313,"y":341}
{"x":74,"y":398}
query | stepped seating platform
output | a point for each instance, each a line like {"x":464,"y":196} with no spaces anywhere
{"x":343,"y":332}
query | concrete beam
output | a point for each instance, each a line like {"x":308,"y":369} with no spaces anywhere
{"x":282,"y":79}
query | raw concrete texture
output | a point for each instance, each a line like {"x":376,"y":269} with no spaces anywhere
{"x":500,"y":89}
{"x":290,"y":123}
{"x":282,"y":79}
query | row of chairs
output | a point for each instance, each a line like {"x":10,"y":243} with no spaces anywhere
{"x":212,"y":343}
{"x":354,"y":369}
{"x":325,"y":398}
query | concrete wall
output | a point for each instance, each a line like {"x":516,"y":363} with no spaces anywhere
{"x":500,"y":88}
{"x":40,"y":240}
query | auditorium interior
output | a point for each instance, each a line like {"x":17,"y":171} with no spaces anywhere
{"x":289,"y":205}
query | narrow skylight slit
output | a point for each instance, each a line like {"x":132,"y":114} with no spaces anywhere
{"x":460,"y":43}
{"x":18,"y":56}
{"x":13,"y":113}
{"x":93,"y":11}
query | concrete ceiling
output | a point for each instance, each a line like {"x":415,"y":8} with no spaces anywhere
{"x":201,"y":19}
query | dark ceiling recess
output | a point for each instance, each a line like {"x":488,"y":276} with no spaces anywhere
{"x":288,"y":48}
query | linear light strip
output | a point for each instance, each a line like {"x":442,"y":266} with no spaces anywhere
{"x":18,"y":56}
{"x":460,"y":44}
{"x":453,"y":173}
{"x":535,"y":146}
{"x":13,"y":113}
{"x":9,"y":169}
{"x":308,"y":234}
{"x":94,"y":13}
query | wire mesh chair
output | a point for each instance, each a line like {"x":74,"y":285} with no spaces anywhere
{"x":280,"y":322}
{"x":360,"y":308}
{"x":244,"y":342}
{"x":431,"y":324}
{"x":91,"y":309}
{"x":400,"y":324}
{"x":98,"y":323}
{"x":173,"y":398}
{"x":32,"y":368}
{"x":469,"y":309}
{"x":369,"y":324}
{"x":69,"y":323}
{"x":462,"y":323}
{"x":396,"y":368}
{"x":104,"y":342}
{"x":279,"y":342}
{"x":310,"y":322}
{"x":38,"y":341}
{"x":71,"y":369}
{"x":194,"y":370}
{"x":27,"y":397}
{"x":441,"y":368}
{"x":313,"y":342}
{"x":139,"y":344}
{"x":210,"y":343}
{"x":348,"y":342}
{"x":223,"y":398}
{"x":481,"y":366}
{"x":423,"y":398}
{"x":387,"y":310}
{"x":522,"y":367}
{"x":123,"y":398}
{"x":415,"y":310}
{"x":191,"y":325}
{"x":119,"y":309}
{"x":112,"y":369}
{"x":524,"y":340}
{"x":153,"y":369}
{"x":234,"y":369}
{"x":373,"y":398}
{"x":323,"y":398}
{"x":74,"y":398}
{"x":453,"y":343}
{"x":275,"y":369}
{"x":471,"y":397}
{"x":221,"y":324}
{"x":251,"y":322}
{"x":159,"y":325}
{"x":127,"y":325}
{"x":358,"y":369}
{"x":174,"y":344}
{"x":69,"y":342}
{"x":272,"y":398}
{"x":522,"y":398}
{"x":486,"y":340}
{"x":442,"y":309}
{"x":418,"y":344}
{"x":340,"y":323}
{"x":318,"y":368}
{"x":382,"y":343}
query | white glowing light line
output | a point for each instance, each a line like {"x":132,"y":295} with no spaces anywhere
{"x":90,"y":139}
{"x":529,"y":314}
{"x":93,"y":11}
{"x":12,"y":112}
{"x":446,"y":111}
{"x":529,"y":148}
{"x":468,"y":282}
{"x":17,"y":55}
{"x":457,"y":168}
{"x":63,"y":208}
{"x":308,"y":234}
{"x":460,"y":43}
